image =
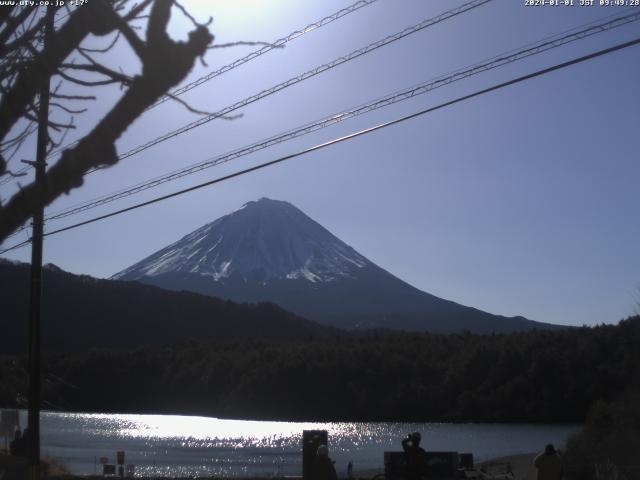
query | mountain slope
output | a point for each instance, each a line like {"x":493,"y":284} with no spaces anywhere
{"x":80,"y":312}
{"x":270,"y":251}
{"x":261,"y":241}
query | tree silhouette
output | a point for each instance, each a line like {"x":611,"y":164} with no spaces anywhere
{"x":24,"y":60}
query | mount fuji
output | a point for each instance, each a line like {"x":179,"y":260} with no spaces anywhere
{"x":269,"y":250}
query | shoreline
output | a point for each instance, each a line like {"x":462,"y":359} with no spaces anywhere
{"x":521,"y":465}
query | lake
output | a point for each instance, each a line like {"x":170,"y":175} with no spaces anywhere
{"x":175,"y":445}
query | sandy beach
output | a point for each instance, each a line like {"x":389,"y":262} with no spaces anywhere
{"x":521,"y":465}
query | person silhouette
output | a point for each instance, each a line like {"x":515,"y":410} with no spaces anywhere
{"x":413,"y":452}
{"x":549,"y":464}
{"x":323,"y":468}
{"x":16,"y":445}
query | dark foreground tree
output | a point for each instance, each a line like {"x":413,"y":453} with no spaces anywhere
{"x":24,"y":61}
{"x":607,"y":446}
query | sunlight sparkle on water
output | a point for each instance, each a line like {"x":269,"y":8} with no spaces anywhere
{"x":223,"y":433}
{"x":188,"y":446}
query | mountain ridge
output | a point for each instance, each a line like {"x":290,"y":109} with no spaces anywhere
{"x":268,"y":250}
{"x":80,"y":312}
{"x":320,"y":260}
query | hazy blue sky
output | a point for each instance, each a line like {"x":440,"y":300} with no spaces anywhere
{"x":520,"y":202}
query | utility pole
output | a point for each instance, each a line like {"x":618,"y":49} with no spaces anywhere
{"x":33,"y":441}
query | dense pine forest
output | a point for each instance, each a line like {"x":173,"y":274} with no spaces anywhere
{"x":537,"y":376}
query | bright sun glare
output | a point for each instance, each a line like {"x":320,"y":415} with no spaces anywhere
{"x":169,"y":426}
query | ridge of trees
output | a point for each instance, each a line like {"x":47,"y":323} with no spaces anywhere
{"x":537,"y":376}
{"x":81,"y":312}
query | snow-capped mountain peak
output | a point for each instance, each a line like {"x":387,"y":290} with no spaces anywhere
{"x":269,"y":251}
{"x":263,"y":240}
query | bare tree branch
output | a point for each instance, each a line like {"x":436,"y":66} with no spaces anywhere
{"x":51,"y":124}
{"x":201,"y":112}
{"x":112,"y":74}
{"x":165,"y":63}
{"x":95,"y":17}
{"x":57,"y":144}
{"x":85,"y":83}
{"x":134,"y":41}
{"x":102,"y":50}
{"x":137,"y":9}
{"x":67,"y":109}
{"x":12,"y":24}
{"x":16,"y":138}
{"x":190,"y":17}
{"x":73,"y":97}
{"x":5,"y":13}
{"x":24,"y":38}
{"x":16,"y":174}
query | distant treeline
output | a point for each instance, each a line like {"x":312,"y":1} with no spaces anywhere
{"x":537,"y":376}
{"x":79,"y":312}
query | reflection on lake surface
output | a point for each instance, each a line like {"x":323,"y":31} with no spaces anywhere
{"x":175,"y":445}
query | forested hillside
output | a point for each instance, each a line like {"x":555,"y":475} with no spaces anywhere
{"x":538,"y":376}
{"x":80,"y":312}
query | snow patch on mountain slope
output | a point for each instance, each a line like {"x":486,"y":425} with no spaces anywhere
{"x":262,"y":240}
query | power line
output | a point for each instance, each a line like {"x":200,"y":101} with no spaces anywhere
{"x":17,"y":246}
{"x":279,"y":43}
{"x":9,"y":177}
{"x":508,"y":57}
{"x":351,"y":136}
{"x":420,"y":89}
{"x":306,"y":75}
